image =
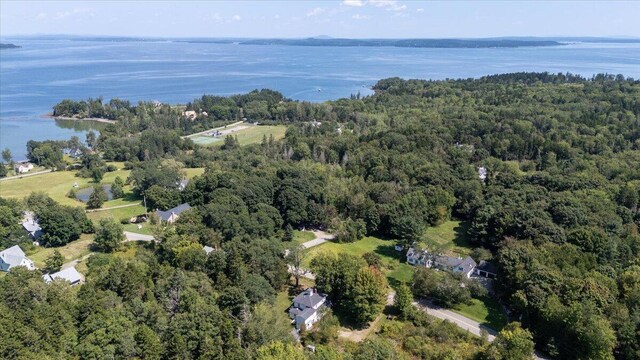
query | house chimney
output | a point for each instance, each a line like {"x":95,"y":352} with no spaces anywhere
{"x":310,"y":291}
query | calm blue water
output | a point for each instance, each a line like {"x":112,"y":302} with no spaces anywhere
{"x":43,"y":72}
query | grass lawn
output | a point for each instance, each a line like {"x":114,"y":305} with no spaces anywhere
{"x":396,"y":269}
{"x":449,"y":238}
{"x":56,"y":184}
{"x":300,"y":237}
{"x":252,"y":134}
{"x":73,"y":250}
{"x":146,"y":228}
{"x":486,"y":311}
{"x":117,"y":214}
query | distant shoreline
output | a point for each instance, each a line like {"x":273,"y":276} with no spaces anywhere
{"x":101,"y":120}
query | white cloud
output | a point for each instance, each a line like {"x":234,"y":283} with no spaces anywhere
{"x":388,"y":4}
{"x":420,"y":10}
{"x":41,"y":16}
{"x":354,"y":3}
{"x":236,"y":17}
{"x":360,"y":17}
{"x":65,"y":14}
{"x":315,"y":12}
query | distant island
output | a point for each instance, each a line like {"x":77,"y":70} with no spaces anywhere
{"x":409,"y":43}
{"x":9,"y":46}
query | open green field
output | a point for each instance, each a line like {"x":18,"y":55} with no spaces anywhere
{"x":117,"y":214}
{"x":486,"y":311}
{"x":395,"y":267}
{"x":449,"y":238}
{"x":57,"y":184}
{"x":73,"y":250}
{"x":252,"y":134}
{"x":300,"y":237}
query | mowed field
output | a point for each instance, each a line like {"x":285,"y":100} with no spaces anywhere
{"x":449,"y":238}
{"x":395,"y":267}
{"x":247,"y":134}
{"x":58,"y":183}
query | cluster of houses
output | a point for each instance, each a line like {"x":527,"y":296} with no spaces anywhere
{"x":466,"y":266}
{"x":14,"y":257}
{"x":307,"y":309}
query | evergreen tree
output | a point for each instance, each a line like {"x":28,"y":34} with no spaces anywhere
{"x":97,"y":197}
{"x":54,"y":262}
{"x":109,"y":235}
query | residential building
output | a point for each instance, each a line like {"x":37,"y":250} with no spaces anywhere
{"x":486,"y":269}
{"x":30,"y":224}
{"x":183,"y":184}
{"x":22,"y":168}
{"x":307,"y":308}
{"x":14,"y":256}
{"x":70,"y":274}
{"x":208,"y":249}
{"x":482,"y":173}
{"x":431,"y":260}
{"x":172,"y":215}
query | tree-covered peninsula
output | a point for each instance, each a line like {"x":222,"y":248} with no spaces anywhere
{"x":535,"y":173}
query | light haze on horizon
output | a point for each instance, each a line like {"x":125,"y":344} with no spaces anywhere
{"x":346,"y":19}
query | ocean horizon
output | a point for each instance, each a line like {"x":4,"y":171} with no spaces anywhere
{"x":43,"y":72}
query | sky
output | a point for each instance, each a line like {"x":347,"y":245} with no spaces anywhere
{"x":346,"y":19}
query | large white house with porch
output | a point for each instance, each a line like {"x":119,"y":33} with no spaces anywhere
{"x":307,"y":308}
{"x":13,"y":257}
{"x":432,"y":260}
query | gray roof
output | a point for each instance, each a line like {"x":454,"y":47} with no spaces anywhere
{"x":306,"y":313}
{"x":11,"y":257}
{"x":31,"y":225}
{"x":307,"y":299}
{"x":487,"y":266}
{"x":70,"y":274}
{"x":165,"y":215}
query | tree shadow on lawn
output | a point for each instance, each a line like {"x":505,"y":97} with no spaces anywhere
{"x":461,"y":238}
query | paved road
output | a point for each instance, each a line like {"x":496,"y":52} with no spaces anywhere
{"x":113,"y":207}
{"x":25,"y":175}
{"x":472,"y":326}
{"x":214,"y":129}
{"x":75,"y":262}
{"x":131,"y":236}
{"x":321,"y":238}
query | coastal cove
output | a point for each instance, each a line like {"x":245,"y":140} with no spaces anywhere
{"x":43,"y":72}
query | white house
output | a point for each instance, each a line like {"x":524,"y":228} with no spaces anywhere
{"x":208,"y":249}
{"x":172,"y":215}
{"x":482,"y":173}
{"x":70,"y":274}
{"x":430,"y":260}
{"x":30,"y":224}
{"x":189,"y":114}
{"x":14,"y":256}
{"x":22,"y":168}
{"x":307,"y":308}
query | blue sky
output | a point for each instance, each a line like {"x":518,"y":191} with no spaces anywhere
{"x":350,"y":18}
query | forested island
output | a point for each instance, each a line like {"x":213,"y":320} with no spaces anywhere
{"x":539,"y":173}
{"x":8,"y":46}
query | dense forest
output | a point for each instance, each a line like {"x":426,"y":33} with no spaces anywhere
{"x":558,"y":212}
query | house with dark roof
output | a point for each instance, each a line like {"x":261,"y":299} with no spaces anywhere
{"x":307,"y":308}
{"x":486,"y":269}
{"x":431,"y":260}
{"x":70,"y":274}
{"x":13,"y":257}
{"x":172,"y":215}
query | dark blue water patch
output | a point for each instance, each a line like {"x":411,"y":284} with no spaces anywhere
{"x":44,"y":72}
{"x":84,"y":194}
